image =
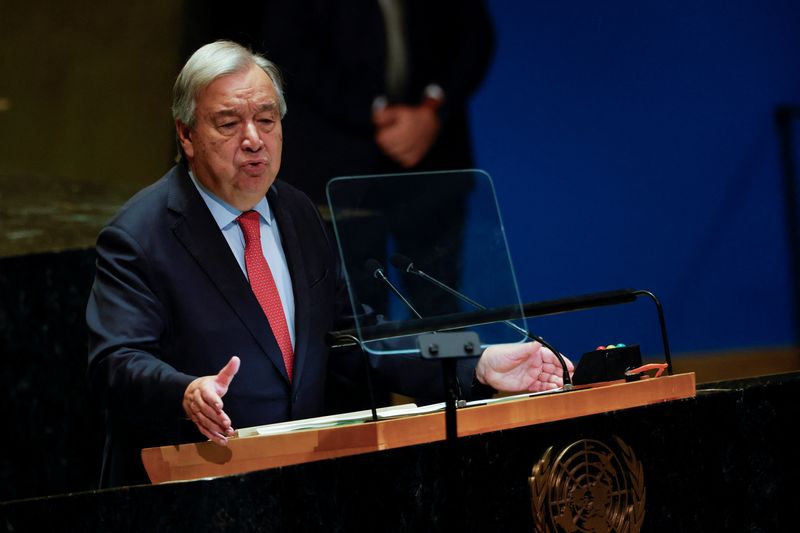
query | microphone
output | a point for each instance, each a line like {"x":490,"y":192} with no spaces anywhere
{"x":405,"y":264}
{"x":372,"y":265}
{"x":452,"y":387}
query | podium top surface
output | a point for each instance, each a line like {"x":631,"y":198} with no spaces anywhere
{"x":246,"y":454}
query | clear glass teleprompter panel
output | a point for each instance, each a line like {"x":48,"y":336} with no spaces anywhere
{"x":448,"y":227}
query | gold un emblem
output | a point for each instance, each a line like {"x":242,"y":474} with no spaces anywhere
{"x":588,"y":487}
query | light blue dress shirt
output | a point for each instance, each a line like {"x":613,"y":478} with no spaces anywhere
{"x":225,"y":215}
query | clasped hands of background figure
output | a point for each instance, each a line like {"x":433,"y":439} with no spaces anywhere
{"x":505,"y":367}
{"x":405,"y":133}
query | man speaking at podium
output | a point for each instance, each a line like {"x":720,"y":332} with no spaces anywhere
{"x":215,"y":286}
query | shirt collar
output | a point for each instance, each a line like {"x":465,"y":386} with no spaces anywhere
{"x":225,"y":214}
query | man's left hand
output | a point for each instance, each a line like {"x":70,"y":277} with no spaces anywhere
{"x":521,"y":367}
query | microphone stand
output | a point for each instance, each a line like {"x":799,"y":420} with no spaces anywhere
{"x":368,"y":370}
{"x":447,"y":347}
{"x":405,"y":264}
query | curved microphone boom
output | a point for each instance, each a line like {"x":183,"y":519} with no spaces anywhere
{"x":405,"y":264}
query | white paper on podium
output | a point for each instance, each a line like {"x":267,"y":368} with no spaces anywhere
{"x":357,"y":417}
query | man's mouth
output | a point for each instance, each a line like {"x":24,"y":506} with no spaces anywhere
{"x":254,"y":166}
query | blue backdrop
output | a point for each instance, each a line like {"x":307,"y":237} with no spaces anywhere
{"x":632,"y":144}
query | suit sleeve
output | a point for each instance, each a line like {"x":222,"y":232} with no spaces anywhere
{"x":127,"y":322}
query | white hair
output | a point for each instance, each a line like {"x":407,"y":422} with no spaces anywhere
{"x":210,"y":62}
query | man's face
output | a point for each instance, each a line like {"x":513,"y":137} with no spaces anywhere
{"x":234,"y":148}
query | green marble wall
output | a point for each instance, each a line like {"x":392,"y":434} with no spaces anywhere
{"x":84,"y":114}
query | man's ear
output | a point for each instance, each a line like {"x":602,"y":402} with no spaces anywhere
{"x":184,"y":133}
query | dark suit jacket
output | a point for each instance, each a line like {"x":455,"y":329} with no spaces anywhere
{"x":170,"y":303}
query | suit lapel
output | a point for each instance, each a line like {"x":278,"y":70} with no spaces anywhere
{"x":292,"y":249}
{"x":196,"y":229}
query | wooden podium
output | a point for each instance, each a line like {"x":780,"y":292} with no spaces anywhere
{"x":715,"y":459}
{"x":247,"y":454}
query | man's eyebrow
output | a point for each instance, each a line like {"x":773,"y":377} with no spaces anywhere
{"x":230,"y":112}
{"x":224,"y":113}
{"x":268,"y":106}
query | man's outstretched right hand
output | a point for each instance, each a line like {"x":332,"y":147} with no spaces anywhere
{"x":202,"y":402}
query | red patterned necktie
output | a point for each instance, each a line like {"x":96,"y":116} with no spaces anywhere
{"x":263,"y":285}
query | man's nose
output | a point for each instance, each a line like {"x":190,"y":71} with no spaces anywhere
{"x":251,"y":140}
